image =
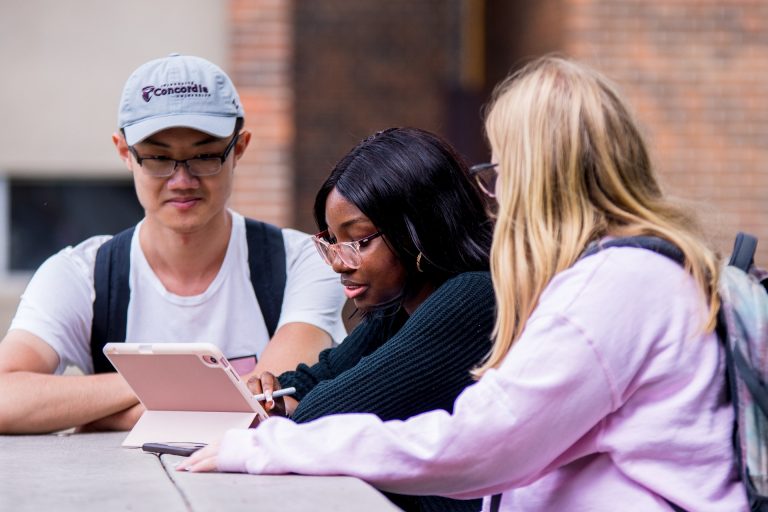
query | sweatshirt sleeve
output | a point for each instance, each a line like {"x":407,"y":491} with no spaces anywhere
{"x":442,"y":453}
{"x":603,"y":334}
{"x":423,"y":366}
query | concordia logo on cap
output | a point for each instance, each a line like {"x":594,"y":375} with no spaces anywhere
{"x":175,"y":89}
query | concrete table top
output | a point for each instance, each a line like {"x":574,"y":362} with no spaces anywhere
{"x":92,"y":472}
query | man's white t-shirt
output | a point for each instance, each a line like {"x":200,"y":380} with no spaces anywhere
{"x":57,"y":305}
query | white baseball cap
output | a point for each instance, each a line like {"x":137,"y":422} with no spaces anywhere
{"x":178,"y":91}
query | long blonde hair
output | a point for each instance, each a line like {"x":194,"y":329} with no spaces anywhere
{"x":573,"y":168}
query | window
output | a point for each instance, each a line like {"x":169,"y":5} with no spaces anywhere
{"x":46,"y":215}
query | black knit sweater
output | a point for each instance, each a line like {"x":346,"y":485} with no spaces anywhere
{"x":397,"y":367}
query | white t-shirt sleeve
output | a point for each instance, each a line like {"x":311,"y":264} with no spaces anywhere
{"x":313,"y":291}
{"x":57,"y":305}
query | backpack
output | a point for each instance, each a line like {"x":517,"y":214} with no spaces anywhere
{"x":742,"y":327}
{"x":266,"y":262}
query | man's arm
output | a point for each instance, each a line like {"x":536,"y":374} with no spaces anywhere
{"x":293,"y":343}
{"x":32,"y":400}
{"x":309,"y":322}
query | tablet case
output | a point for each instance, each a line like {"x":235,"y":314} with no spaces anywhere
{"x":189,"y":390}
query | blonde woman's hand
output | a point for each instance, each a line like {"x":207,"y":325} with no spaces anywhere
{"x":202,"y":461}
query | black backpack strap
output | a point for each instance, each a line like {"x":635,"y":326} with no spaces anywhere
{"x":743,"y":255}
{"x":110,"y":304}
{"x":495,"y":503}
{"x":266,"y":262}
{"x":651,"y":243}
{"x":756,"y":386}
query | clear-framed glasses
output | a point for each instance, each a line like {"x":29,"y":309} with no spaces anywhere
{"x":348,"y":252}
{"x":485,"y":175}
{"x":200,"y":165}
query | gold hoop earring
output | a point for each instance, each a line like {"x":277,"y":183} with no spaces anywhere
{"x":418,"y":262}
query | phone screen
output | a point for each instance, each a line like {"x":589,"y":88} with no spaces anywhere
{"x":183,"y":449}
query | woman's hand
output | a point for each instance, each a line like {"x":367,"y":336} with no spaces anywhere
{"x":202,"y":461}
{"x":267,"y":384}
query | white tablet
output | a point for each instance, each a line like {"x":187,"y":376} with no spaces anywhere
{"x":190,"y":391}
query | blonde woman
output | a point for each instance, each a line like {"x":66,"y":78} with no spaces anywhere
{"x":605,"y":387}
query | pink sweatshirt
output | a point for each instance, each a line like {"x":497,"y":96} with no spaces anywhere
{"x":613,"y":399}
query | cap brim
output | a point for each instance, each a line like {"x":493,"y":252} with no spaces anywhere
{"x":218,"y":126}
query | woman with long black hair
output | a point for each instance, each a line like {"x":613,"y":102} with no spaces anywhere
{"x":405,"y":227}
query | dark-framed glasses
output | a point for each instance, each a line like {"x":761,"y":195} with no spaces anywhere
{"x":200,"y":165}
{"x":347,"y":252}
{"x":485,"y":175}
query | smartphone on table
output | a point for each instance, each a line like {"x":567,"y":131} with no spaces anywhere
{"x":183,"y":449}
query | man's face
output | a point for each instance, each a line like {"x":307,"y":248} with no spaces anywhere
{"x":183,"y":202}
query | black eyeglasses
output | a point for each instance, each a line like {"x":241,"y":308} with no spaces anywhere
{"x":201,"y":165}
{"x":348,"y":252}
{"x":485,"y":175}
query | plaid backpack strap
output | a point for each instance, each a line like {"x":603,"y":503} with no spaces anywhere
{"x":743,"y":328}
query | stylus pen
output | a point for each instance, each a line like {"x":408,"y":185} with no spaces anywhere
{"x":277,"y":394}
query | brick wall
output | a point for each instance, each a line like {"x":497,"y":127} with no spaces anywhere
{"x":696,"y":73}
{"x":261,"y":56}
{"x":316,"y":77}
{"x":362,"y":66}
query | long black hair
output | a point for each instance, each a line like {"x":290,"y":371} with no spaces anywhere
{"x":415,"y":188}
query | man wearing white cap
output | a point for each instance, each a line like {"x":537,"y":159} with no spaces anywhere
{"x":192,"y":270}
